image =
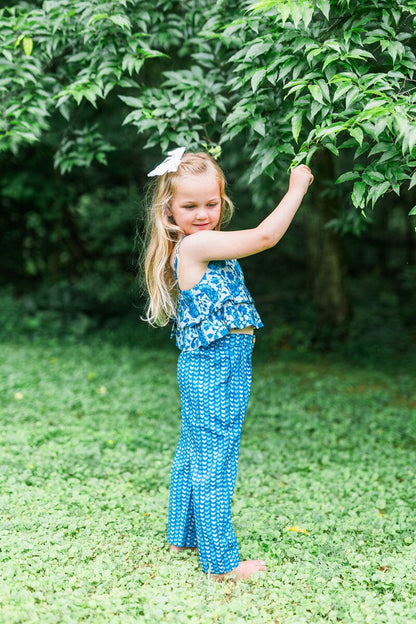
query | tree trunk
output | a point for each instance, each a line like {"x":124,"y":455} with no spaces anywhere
{"x":324,"y":248}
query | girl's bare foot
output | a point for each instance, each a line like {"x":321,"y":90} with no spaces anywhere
{"x":174,"y":548}
{"x":244,"y":570}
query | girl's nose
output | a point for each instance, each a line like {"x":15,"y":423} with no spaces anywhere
{"x":201,"y":213}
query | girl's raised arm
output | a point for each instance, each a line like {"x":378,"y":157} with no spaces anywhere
{"x":213,"y":245}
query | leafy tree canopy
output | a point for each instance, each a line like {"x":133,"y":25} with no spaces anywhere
{"x":333,"y":74}
{"x":292,"y":76}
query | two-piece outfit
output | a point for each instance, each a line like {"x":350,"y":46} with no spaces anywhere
{"x":214,"y":376}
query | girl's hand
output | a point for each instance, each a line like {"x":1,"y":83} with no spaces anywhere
{"x":300,"y":179}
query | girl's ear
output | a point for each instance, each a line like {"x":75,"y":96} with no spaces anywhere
{"x":168,"y":210}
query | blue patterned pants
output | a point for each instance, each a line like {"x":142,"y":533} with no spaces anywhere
{"x":214,"y":383}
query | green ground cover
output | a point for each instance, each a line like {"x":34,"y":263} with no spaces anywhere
{"x":325,"y":491}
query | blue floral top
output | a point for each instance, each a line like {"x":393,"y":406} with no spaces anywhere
{"x":218,"y":303}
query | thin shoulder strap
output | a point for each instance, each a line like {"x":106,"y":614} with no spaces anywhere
{"x":175,"y":259}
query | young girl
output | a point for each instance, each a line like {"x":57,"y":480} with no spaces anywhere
{"x":193,"y":277}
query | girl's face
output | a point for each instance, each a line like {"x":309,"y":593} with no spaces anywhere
{"x":196,"y":204}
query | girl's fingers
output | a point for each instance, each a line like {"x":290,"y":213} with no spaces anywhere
{"x":309,"y":171}
{"x":302,"y":167}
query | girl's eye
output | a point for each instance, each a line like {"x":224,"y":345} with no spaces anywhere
{"x":189,"y":206}
{"x":212,"y":205}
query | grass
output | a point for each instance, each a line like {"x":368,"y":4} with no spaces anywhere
{"x":325,"y":491}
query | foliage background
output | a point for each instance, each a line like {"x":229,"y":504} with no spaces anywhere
{"x":80,"y":79}
{"x":73,"y":177}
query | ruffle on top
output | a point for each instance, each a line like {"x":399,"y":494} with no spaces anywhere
{"x":218,"y":303}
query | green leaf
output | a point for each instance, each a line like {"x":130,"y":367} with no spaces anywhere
{"x":99,"y":16}
{"x":361,"y":149}
{"x":132,"y":101}
{"x":357,"y":134}
{"x":341,"y":91}
{"x":375,"y":176}
{"x":402,"y":121}
{"x":307,"y":13}
{"x":324,"y":6}
{"x":376,"y":191}
{"x":330,"y":58}
{"x":412,"y":181}
{"x":316,"y":93}
{"x":287,"y":67}
{"x":284,"y":9}
{"x":358,"y":194}
{"x":18,"y":40}
{"x":256,"y":50}
{"x":262,"y":5}
{"x":315,"y":108}
{"x":28,"y":45}
{"x":389,"y":154}
{"x":412,"y":213}
{"x":412,"y":139}
{"x":325,"y":89}
{"x":296,"y":12}
{"x":330,"y":130}
{"x":8,"y":55}
{"x":268,"y":158}
{"x":352,"y":96}
{"x":297,"y":124}
{"x":347,"y":177}
{"x":331,"y":146}
{"x":380,"y":147}
{"x":122,"y":21}
{"x":395,"y":49}
{"x":132,"y":63}
{"x":259,"y":126}
{"x":257,"y":78}
{"x":380,"y":125}
{"x":310,"y":153}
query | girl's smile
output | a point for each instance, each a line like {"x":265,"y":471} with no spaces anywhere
{"x":196,"y":204}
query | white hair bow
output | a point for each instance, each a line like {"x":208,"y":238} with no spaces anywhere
{"x":171,"y":163}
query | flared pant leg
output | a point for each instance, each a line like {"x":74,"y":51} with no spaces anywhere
{"x":181,"y":523}
{"x":215,"y":385}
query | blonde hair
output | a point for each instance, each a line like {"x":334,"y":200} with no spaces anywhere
{"x":163,"y":234}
